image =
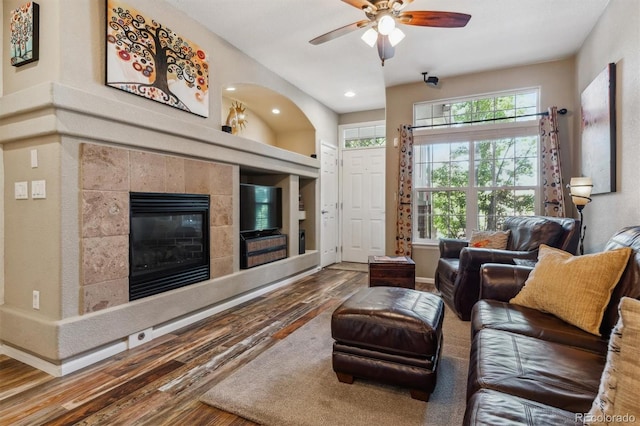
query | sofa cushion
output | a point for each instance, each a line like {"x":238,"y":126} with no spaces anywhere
{"x":491,"y":408}
{"x":550,"y":373}
{"x":531,"y":322}
{"x":489,"y":239}
{"x":576,"y":289}
{"x":618,"y":391}
{"x":528,"y":232}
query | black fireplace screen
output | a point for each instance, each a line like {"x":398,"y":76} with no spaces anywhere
{"x":168,"y":242}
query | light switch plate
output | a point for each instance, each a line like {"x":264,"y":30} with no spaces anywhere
{"x":21,"y":190}
{"x":38,"y":189}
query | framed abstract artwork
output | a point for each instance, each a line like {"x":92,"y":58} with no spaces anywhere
{"x":598,"y":115}
{"x":24,"y":36}
{"x":146,"y":58}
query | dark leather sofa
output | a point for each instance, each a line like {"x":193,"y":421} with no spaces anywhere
{"x":457,"y":275}
{"x":529,"y":367}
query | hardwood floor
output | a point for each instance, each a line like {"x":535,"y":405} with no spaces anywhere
{"x":159,"y":383}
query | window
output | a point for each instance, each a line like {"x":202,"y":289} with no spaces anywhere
{"x":364,"y":135}
{"x":472,"y":175}
{"x":502,"y":107}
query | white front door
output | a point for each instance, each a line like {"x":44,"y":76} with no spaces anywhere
{"x":363,"y":197}
{"x":329,"y":204}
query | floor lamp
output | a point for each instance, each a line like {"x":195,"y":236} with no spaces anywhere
{"x":580,"y":188}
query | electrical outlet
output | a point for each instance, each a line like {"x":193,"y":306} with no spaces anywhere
{"x":36,"y":299}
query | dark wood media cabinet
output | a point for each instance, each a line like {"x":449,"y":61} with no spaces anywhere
{"x":259,"y":249}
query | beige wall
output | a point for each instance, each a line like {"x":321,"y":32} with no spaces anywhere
{"x":33,"y":256}
{"x":361,"y":116}
{"x":556,"y":83}
{"x":298,"y":141}
{"x":615,"y":39}
{"x":255,"y":129}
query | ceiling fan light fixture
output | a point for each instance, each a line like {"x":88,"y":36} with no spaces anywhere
{"x":386,"y":25}
{"x":398,"y":5}
{"x":396,"y":36}
{"x":370,"y":37}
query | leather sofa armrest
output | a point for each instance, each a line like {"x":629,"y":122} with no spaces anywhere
{"x":451,"y":247}
{"x":502,"y":282}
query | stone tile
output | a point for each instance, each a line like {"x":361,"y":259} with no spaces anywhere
{"x":197,"y":177}
{"x":221,"y":179}
{"x":105,"y":295}
{"x":221,"y":241}
{"x":221,"y":210}
{"x":147,"y":172}
{"x":104,"y":259}
{"x":105,"y":213}
{"x":221,"y":266}
{"x":104,"y":167}
{"x":174,"y":175}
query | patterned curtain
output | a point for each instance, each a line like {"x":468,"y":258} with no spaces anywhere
{"x":405,"y":185}
{"x":552,"y":187}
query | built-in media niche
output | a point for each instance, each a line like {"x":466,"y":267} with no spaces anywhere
{"x":260,"y":222}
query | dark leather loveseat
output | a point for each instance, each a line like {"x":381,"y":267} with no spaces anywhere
{"x":457,"y":275}
{"x":529,"y":367}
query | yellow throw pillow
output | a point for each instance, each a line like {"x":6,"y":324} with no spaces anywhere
{"x":576,"y":289}
{"x":489,"y":239}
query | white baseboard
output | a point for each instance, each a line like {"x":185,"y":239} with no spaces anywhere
{"x":102,"y":353}
{"x":425,"y":280}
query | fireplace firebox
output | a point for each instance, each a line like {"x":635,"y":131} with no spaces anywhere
{"x":168,"y":242}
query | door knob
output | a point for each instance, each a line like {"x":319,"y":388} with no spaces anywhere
{"x":324,"y":211}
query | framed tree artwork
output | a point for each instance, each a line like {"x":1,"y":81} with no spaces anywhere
{"x":146,"y":58}
{"x":24,"y":36}
{"x":598,"y":115}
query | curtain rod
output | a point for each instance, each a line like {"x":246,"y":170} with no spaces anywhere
{"x":562,"y":111}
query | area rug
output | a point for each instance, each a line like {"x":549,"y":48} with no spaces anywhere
{"x":292,"y":384}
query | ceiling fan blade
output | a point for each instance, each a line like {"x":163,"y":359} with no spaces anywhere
{"x":434,"y":19}
{"x":340,"y":31}
{"x":361,"y":4}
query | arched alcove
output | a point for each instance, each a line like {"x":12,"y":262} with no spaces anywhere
{"x":289,"y":129}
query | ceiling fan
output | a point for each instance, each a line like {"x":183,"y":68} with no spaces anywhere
{"x":382,"y":17}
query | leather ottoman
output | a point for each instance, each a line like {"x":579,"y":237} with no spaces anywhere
{"x":390,"y":335}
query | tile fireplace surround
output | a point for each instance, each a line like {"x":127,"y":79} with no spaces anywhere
{"x":107,"y":176}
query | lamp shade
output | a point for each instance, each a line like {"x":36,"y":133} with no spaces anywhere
{"x":370,"y":37}
{"x":396,"y":36}
{"x":581,"y":190}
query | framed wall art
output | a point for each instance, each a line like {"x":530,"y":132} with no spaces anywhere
{"x":146,"y":58}
{"x":598,"y":115}
{"x":24,"y":36}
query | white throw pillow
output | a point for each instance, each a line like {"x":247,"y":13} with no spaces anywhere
{"x":617,"y":399}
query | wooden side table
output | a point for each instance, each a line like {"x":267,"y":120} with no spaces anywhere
{"x":392,"y":271}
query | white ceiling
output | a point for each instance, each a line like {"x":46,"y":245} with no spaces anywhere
{"x":501,"y":33}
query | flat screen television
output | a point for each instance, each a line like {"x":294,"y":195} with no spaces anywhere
{"x":260,"y":208}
